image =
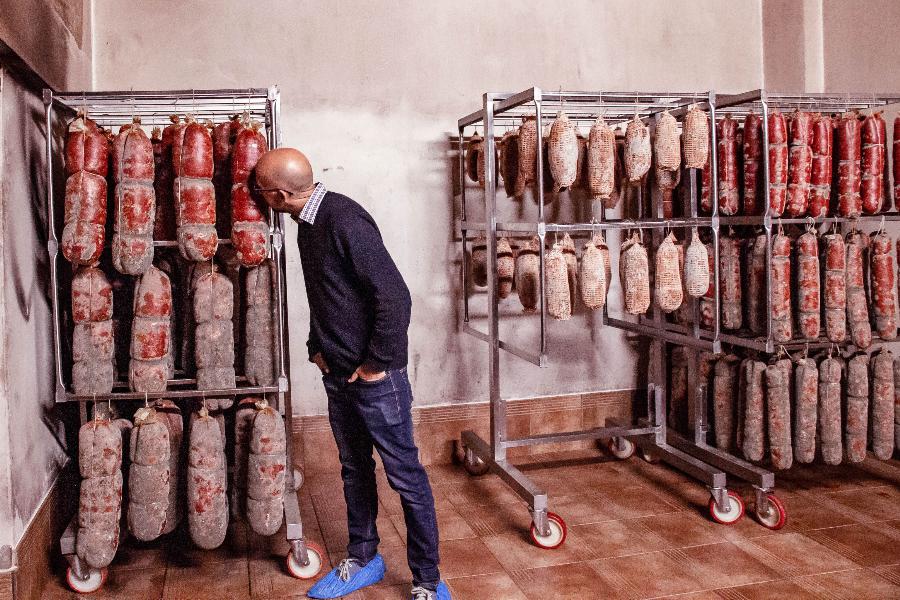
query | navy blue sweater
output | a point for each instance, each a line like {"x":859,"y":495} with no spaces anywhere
{"x":359,"y":305}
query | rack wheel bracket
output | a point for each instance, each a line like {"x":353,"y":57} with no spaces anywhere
{"x":556,"y":530}
{"x":725,"y":507}
{"x":304,"y":560}
{"x":82,"y":579}
{"x":770,"y":510}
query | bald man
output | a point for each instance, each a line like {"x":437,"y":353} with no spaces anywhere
{"x":359,"y":315}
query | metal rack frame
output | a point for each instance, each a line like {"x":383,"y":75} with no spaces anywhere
{"x":112,"y":109}
{"x":652,"y":435}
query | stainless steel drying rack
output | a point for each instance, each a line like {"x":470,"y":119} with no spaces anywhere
{"x":111,"y":110}
{"x":709,"y":465}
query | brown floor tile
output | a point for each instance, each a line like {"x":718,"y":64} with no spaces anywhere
{"x":462,"y":558}
{"x":581,"y":509}
{"x":805,"y":513}
{"x":137,"y":584}
{"x":383,"y":592}
{"x":269,"y":578}
{"x":850,"y":585}
{"x":870,"y":504}
{"x":891,"y":573}
{"x":562,"y":582}
{"x":496,"y":586}
{"x":516,"y":551}
{"x":794,"y":554}
{"x":615,"y":538}
{"x":486,"y":520}
{"x":321,"y":452}
{"x":726,"y":565}
{"x":770,"y":590}
{"x":488,"y":489}
{"x":649,"y":575}
{"x":685,"y":528}
{"x":209,"y":580}
{"x":864,"y":545}
{"x":634,"y":501}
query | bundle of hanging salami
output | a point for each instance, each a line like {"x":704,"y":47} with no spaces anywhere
{"x":87,"y":162}
{"x":249,"y":225}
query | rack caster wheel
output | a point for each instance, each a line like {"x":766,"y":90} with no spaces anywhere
{"x":775,"y":516}
{"x":557,"y":534}
{"x":648,"y":456}
{"x":474,"y":465}
{"x":621,"y":448}
{"x":305,"y":571}
{"x":736,"y":506}
{"x":93,"y":582}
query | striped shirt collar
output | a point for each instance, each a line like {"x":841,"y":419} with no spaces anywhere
{"x":311,"y":207}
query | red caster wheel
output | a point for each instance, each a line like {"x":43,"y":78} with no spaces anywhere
{"x":621,"y":448}
{"x":93,"y":582}
{"x":775,"y":515}
{"x":736,"y":510}
{"x":555,"y":537}
{"x":307,"y":571}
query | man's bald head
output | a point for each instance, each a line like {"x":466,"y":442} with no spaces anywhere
{"x":284,"y":168}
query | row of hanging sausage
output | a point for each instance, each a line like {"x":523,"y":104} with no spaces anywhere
{"x":806,"y":175}
{"x":188,"y":183}
{"x":162,"y":476}
{"x":797,"y":408}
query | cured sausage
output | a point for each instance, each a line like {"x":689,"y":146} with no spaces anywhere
{"x":780,"y":311}
{"x":223,"y":136}
{"x":667,"y":181}
{"x":243,"y":426}
{"x":87,"y":162}
{"x":473,"y":154}
{"x":752,"y":382}
{"x":593,"y":277}
{"x":729,"y":198}
{"x":528,"y":141}
{"x":559,"y":297}
{"x":266,"y":467}
{"x":753,"y":156}
{"x":871,"y":188}
{"x":207,"y":480}
{"x":725,"y":382}
{"x":820,"y":174}
{"x":509,"y":161}
{"x":884,"y":302}
{"x":883,"y":404}
{"x":568,"y":250}
{"x":100,"y":497}
{"x":170,"y":415}
{"x":706,"y":199}
{"x":849,"y":168}
{"x":708,"y":300}
{"x":135,"y":202}
{"x":835,"y":288}
{"x":730,"y":281}
{"x":562,"y":152}
{"x":149,"y":477}
{"x":667,"y":278}
{"x":857,"y":308}
{"x":93,"y":344}
{"x":249,"y":226}
{"x":696,"y":138}
{"x":163,"y":184}
{"x":830,"y":371}
{"x":800,"y":160}
{"x":757,"y":302}
{"x":527,"y":274}
{"x":778,"y":163}
{"x":696,"y":270}
{"x":259,"y":333}
{"x":637,"y":150}
{"x":808,"y":323}
{"x":151,"y":343}
{"x":857,"y":420}
{"x":214,"y":345}
{"x":195,"y":198}
{"x":601,"y":161}
{"x":806,"y":389}
{"x":667,"y":146}
{"x":634,"y":270}
{"x":778,"y":387}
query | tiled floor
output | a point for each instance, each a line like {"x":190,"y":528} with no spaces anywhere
{"x":635,"y":531}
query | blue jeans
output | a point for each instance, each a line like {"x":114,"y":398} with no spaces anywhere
{"x":377,"y":415}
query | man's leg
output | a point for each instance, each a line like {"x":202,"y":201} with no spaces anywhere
{"x":385,"y":407}
{"x":357,"y":470}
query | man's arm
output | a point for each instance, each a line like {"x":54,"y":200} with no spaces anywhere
{"x":383,"y":285}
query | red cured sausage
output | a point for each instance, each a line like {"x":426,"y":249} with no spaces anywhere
{"x":164,"y":226}
{"x":808,"y":286}
{"x":248,"y":220}
{"x":830,"y":410}
{"x":730,"y":281}
{"x":849,"y":168}
{"x":214,"y":345}
{"x":801,"y":157}
{"x":752,"y":145}
{"x":708,"y":300}
{"x":871,"y":189}
{"x":806,"y":386}
{"x":259,"y":332}
{"x":133,"y":169}
{"x":151,"y":343}
{"x":782,"y":328}
{"x":195,"y":200}
{"x":820,"y":174}
{"x":778,"y":163}
{"x":835,"y":296}
{"x":857,"y":308}
{"x":757,"y":303}
{"x":725,"y":381}
{"x":884,"y":302}
{"x":87,"y":162}
{"x":729,"y":199}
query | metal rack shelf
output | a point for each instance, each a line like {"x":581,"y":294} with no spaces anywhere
{"x":110,"y":110}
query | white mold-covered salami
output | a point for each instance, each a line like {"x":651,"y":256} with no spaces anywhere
{"x":730,"y":281}
{"x":808,"y":324}
{"x":214,"y":336}
{"x":260,"y":331}
{"x":757,"y":304}
{"x":857,"y":412}
{"x":266,"y":467}
{"x":806,"y":400}
{"x":243,"y":426}
{"x":135,"y":208}
{"x":92,"y":339}
{"x":151,"y":343}
{"x":100,"y":499}
{"x":829,"y":421}
{"x":778,"y":389}
{"x":754,"y":394}
{"x":857,"y":305}
{"x":883,"y":404}
{"x":207,"y":480}
{"x":149,"y":478}
{"x":170,"y":415}
{"x":725,"y":388}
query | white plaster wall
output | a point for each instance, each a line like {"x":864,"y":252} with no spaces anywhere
{"x":370,"y":92}
{"x":860,"y":46}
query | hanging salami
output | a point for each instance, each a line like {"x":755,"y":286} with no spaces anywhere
{"x":87,"y":162}
{"x":820,"y":174}
{"x":757,"y":302}
{"x":884,"y":300}
{"x":249,"y":223}
{"x":753,"y":384}
{"x":778,"y":163}
{"x":857,"y":410}
{"x":806,"y":402}
{"x":800,"y":160}
{"x":871,"y":188}
{"x":753,"y":156}
{"x":807,"y":262}
{"x":727,"y":139}
{"x":778,"y":385}
{"x":829,"y":418}
{"x":857,"y":306}
{"x":730,"y":281}
{"x":849,"y":146}
{"x":835,"y":296}
{"x":780,"y":311}
{"x":195,"y":198}
{"x":883,"y":404}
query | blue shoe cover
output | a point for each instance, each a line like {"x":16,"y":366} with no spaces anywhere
{"x":332,"y":586}
{"x":441,"y":593}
